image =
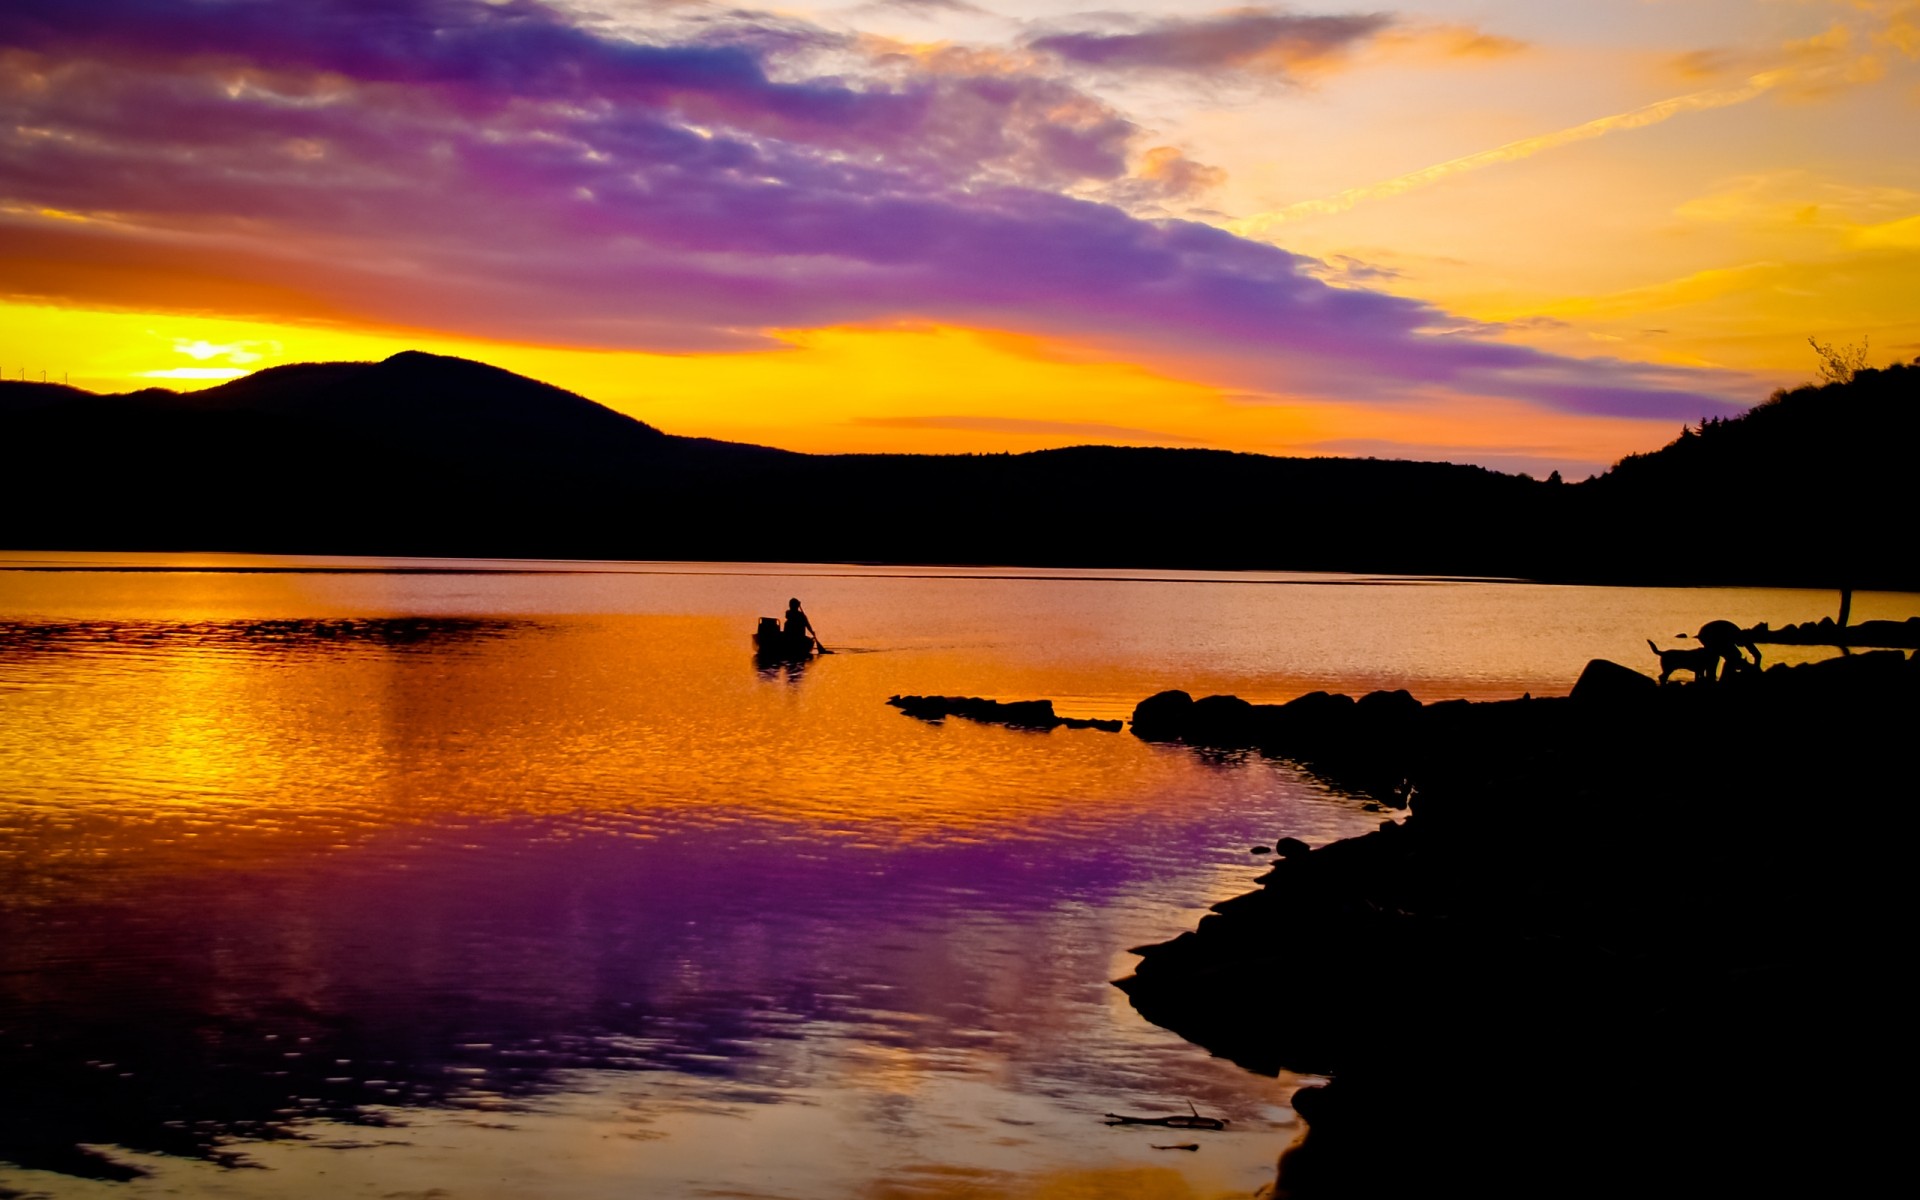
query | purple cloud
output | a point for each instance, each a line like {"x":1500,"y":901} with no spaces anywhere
{"x":499,"y":170}
{"x":1260,"y":40}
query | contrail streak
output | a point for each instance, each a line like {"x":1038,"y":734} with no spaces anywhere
{"x":1639,"y":118}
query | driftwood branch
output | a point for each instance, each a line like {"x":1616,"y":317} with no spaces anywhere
{"x":1191,"y":1119}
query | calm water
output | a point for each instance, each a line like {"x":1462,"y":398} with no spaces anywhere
{"x":511,"y":879}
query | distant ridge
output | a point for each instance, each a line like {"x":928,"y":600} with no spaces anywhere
{"x":425,"y":454}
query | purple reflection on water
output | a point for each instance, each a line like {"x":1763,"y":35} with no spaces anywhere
{"x":473,"y":966}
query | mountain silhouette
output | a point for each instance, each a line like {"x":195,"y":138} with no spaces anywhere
{"x":449,"y":408}
{"x":425,"y":454}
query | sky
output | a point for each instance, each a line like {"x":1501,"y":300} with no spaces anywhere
{"x":1530,"y":236}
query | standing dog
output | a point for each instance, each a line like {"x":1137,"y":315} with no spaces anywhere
{"x":1703,"y":661}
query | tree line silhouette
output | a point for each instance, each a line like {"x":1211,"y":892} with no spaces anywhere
{"x":422,"y":454}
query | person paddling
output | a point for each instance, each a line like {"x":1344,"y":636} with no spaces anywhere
{"x":798,"y":626}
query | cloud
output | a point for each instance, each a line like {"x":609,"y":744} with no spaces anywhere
{"x":1259,"y":42}
{"x":499,"y":170}
{"x":1900,"y":31}
{"x":1846,"y":54}
{"x":1031,"y":428}
{"x":1346,"y":269}
{"x":1162,"y":175}
{"x":927,"y":9}
{"x":1263,"y":41}
{"x":1464,"y":41}
{"x":1261,"y":224}
{"x":200,"y":350}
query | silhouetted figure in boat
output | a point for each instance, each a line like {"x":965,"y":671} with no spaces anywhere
{"x":797,"y":624}
{"x":797,"y":641}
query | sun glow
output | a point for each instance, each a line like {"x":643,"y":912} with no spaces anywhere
{"x":908,"y":388}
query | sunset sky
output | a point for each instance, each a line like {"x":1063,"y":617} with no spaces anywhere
{"x":1526,"y":235}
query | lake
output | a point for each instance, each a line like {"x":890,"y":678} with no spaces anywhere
{"x":411,"y":878}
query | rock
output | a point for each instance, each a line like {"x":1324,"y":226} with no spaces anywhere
{"x":1220,"y":721}
{"x":1017,"y":714}
{"x":1315,"y":717}
{"x":1260,"y":850}
{"x":1386,"y":705}
{"x":1037,"y":713}
{"x":1291,"y":847}
{"x":1316,"y":705}
{"x":1607,"y":682}
{"x":1101,"y":723}
{"x":1162,"y":717}
{"x":1312,"y":1103}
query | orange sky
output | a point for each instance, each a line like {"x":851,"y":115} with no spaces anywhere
{"x":1648,"y":203}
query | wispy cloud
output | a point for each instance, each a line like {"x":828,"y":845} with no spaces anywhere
{"x":918,"y":8}
{"x":238,"y":353}
{"x":1262,"y":224}
{"x":1811,"y":66}
{"x":1259,"y":43}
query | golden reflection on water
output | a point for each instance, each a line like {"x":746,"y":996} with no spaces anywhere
{"x":628,"y":724}
{"x":537,"y":862}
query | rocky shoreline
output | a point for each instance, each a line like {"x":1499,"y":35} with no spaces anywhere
{"x":1627,"y":942}
{"x":1903,"y":635}
{"x":1015,"y":714}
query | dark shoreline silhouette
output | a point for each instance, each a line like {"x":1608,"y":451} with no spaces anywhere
{"x":426,"y":455}
{"x":1894,"y":635}
{"x":1610,"y":952}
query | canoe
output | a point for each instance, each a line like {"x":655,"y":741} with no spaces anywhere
{"x":781,"y":647}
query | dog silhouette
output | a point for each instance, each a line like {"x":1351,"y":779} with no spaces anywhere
{"x":1703,"y":661}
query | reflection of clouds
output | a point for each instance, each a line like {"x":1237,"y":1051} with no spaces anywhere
{"x":477,"y":967}
{"x":266,"y":635}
